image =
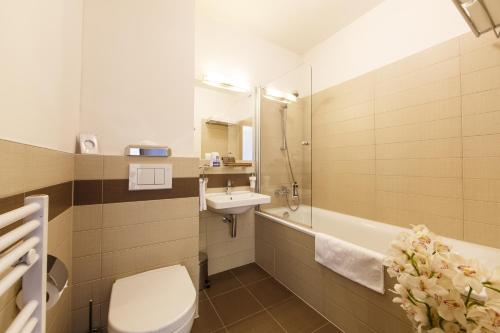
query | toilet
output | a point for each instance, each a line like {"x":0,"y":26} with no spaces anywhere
{"x":161,"y":301}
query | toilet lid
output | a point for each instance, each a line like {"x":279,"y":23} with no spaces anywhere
{"x":159,"y":300}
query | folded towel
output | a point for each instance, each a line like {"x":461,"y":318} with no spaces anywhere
{"x":203,"y":199}
{"x":352,"y":261}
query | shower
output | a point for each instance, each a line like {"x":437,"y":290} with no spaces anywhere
{"x":293,"y":203}
{"x":283,"y":112}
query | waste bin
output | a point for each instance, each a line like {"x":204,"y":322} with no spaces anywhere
{"x":204,"y":282}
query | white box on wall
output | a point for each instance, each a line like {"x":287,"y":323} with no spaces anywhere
{"x":149,"y":177}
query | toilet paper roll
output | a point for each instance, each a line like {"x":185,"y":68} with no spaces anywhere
{"x":53,"y":295}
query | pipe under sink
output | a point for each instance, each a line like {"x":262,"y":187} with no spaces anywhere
{"x":232,"y":220}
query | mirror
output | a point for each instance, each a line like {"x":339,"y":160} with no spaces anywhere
{"x":223,"y":123}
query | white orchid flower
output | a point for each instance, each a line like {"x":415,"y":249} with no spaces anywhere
{"x":438,"y":287}
{"x":450,"y":327}
{"x":442,"y":267}
{"x":493,"y":304}
{"x":452,"y":308}
{"x":422,"y":287}
{"x":486,"y":319}
{"x":440,"y":247}
{"x":492,"y":284}
{"x":470,"y":273}
{"x":401,"y":248}
{"x":396,"y":267}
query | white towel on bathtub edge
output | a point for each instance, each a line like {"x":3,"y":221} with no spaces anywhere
{"x":352,"y":261}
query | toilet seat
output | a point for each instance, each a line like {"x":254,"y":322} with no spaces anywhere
{"x":161,"y":301}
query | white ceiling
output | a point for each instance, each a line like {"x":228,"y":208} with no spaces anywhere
{"x":296,"y":25}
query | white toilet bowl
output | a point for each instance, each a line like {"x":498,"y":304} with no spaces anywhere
{"x":158,"y":301}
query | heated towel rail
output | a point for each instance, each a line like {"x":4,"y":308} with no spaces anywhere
{"x":23,"y":255}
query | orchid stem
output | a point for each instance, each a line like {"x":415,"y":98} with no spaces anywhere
{"x":468,"y":297}
{"x":494,"y":289}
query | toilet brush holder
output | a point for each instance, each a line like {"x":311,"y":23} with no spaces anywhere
{"x":92,"y":329}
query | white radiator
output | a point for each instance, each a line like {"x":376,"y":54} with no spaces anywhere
{"x":23,"y":255}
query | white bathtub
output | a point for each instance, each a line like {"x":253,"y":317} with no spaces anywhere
{"x":367,"y":233}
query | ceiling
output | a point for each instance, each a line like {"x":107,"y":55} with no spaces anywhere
{"x":296,"y":25}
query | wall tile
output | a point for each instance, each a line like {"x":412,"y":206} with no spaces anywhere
{"x":89,"y":167}
{"x":469,"y":42}
{"x":46,"y":167}
{"x":435,"y":72}
{"x":486,"y":234}
{"x":86,"y":268}
{"x":87,"y":217}
{"x":12,"y":168}
{"x":482,"y":80}
{"x":420,"y":60}
{"x":434,"y":141}
{"x":86,"y":243}
{"x":481,"y":102}
{"x":481,"y":58}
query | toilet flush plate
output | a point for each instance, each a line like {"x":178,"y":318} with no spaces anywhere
{"x":149,"y":177}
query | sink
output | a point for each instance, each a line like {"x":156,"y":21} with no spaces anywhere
{"x":238,"y":202}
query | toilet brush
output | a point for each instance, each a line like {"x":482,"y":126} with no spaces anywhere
{"x":91,"y":328}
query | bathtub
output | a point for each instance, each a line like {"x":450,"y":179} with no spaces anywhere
{"x":363,"y":232}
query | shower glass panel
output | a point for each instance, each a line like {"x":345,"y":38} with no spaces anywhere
{"x":284,"y":108}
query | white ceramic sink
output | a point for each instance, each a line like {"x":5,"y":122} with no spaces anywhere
{"x":237,"y":202}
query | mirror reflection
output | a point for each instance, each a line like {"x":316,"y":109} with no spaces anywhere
{"x":223,"y":125}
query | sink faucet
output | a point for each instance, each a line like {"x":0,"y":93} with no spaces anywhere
{"x":229,"y":187}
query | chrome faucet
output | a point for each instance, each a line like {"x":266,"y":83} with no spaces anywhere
{"x":229,"y":187}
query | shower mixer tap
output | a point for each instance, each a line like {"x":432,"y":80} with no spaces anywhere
{"x":295,"y":190}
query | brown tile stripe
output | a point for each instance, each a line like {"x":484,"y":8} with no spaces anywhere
{"x":60,"y":199}
{"x":8,"y":204}
{"x":220,"y":180}
{"x":89,"y":192}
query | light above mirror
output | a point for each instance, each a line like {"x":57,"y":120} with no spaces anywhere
{"x":279,"y":96}
{"x":219,"y":81}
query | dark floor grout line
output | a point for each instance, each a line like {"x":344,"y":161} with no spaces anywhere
{"x":254,"y":282}
{"x":309,"y":305}
{"x":265,"y":309}
{"x":316,"y":330}
{"x":217,"y":314}
{"x":225,"y":292}
{"x":244,"y":318}
{"x":294,"y":294}
{"x":241,"y":286}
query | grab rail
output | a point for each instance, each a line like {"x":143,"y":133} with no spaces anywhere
{"x":23,"y":255}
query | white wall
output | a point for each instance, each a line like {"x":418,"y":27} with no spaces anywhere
{"x":240,"y":55}
{"x":40,"y":57}
{"x":391,"y":31}
{"x":138,"y":69}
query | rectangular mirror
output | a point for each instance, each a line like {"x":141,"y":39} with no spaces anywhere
{"x":224,"y":124}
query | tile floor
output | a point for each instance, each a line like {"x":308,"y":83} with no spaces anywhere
{"x":247,"y":299}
